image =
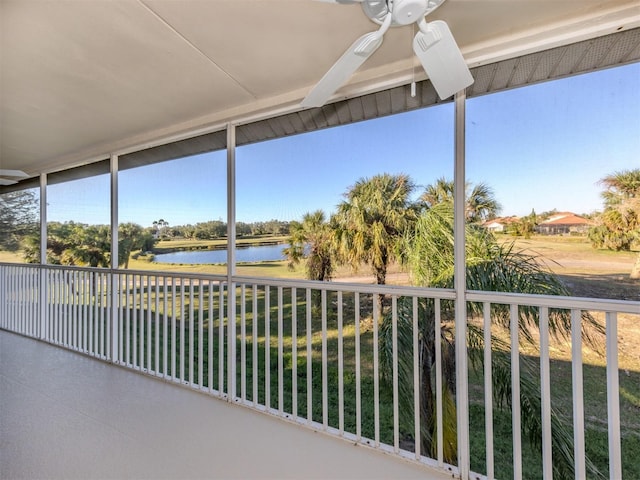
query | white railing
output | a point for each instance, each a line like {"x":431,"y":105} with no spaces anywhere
{"x":347,"y":359}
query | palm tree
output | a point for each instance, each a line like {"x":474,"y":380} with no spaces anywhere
{"x":310,"y":240}
{"x":621,"y":186}
{"x":373,"y":219}
{"x":619,"y":225}
{"x":480,"y":202}
{"x":490,"y":267}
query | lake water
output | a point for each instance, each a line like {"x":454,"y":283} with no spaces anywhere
{"x":259,"y":253}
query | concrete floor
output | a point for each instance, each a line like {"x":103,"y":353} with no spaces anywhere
{"x":65,"y":415}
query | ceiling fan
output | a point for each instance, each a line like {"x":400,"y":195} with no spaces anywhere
{"x":11,"y":174}
{"x":434,"y":45}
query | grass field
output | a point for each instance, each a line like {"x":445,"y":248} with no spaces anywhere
{"x":587,"y":273}
{"x":267,"y":385}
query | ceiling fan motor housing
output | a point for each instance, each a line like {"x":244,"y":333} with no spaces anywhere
{"x":404,"y":12}
{"x":409,"y":11}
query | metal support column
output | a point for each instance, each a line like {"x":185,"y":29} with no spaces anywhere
{"x":231,"y":262}
{"x":115,"y":294}
{"x":44,"y":323}
{"x":462,"y":387}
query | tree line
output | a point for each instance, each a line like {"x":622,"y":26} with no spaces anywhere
{"x":214,"y":229}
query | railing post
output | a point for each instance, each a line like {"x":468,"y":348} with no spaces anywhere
{"x":462,"y":386}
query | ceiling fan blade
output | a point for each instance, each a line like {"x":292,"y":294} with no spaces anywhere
{"x":5,"y":181}
{"x":346,"y":66}
{"x":441,"y":58}
{"x":12,"y":173}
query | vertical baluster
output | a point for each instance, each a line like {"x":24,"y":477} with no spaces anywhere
{"x":243,"y":342}
{"x":39,"y":331}
{"x":340,"y":365}
{"x":325,"y":386}
{"x":108,"y":286}
{"x":27,"y":303}
{"x":613,"y":400}
{"x":20,"y":289}
{"x":267,"y":348}
{"x":578,"y":398}
{"x":33,"y":305}
{"x":127,"y":320}
{"x":280,"y":356}
{"x":24,"y":302}
{"x":294,"y":352}
{"x":53,"y":306}
{"x":92,"y":311}
{"x":254,"y":343}
{"x":191,"y":330}
{"x":149,"y":343}
{"x":200,"y":334}
{"x":3,"y":297}
{"x":74,"y":301}
{"x":10,"y":294}
{"x":416,"y":378}
{"x":156,"y":323}
{"x":488,"y":390}
{"x":21,"y":301}
{"x":134,"y":312}
{"x":394,"y":347}
{"x":165,"y":328}
{"x":69,"y":311}
{"x":356,"y":320}
{"x":545,"y":394}
{"x":11,"y":300}
{"x":58,"y":306}
{"x":101,"y":313}
{"x":66,"y":316}
{"x":121,"y":334}
{"x":210,"y":333}
{"x":221,"y":341}
{"x":173,"y":328}
{"x":15,"y":300}
{"x":515,"y":393}
{"x":376,"y":370}
{"x":141,"y":325}
{"x":183,"y":315}
{"x":309,"y":360}
{"x":438,"y":352}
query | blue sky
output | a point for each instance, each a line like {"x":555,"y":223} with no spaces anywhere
{"x":539,"y":147}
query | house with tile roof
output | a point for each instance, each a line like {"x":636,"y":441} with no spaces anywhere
{"x":563,"y":223}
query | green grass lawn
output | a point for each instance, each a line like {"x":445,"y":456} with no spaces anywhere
{"x":593,"y":372}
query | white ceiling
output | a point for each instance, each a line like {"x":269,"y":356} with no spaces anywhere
{"x":80,"y":79}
